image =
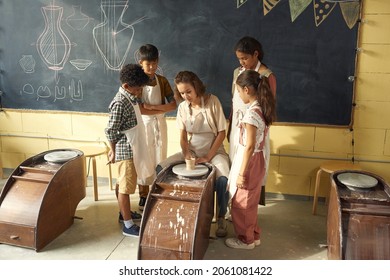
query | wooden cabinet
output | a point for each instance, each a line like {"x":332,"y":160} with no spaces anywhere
{"x":358,"y":224}
{"x":177,"y":217}
{"x":39,"y":200}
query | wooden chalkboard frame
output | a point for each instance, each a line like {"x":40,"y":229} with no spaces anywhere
{"x":312,"y":60}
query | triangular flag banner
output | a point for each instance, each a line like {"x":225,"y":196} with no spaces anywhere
{"x":297,"y":7}
{"x":350,"y":11}
{"x":322,"y":10}
{"x":268,"y":5}
{"x":240,"y":3}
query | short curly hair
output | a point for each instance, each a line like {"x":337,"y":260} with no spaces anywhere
{"x":133,"y":75}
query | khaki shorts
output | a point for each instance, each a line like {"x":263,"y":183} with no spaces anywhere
{"x":127,"y":176}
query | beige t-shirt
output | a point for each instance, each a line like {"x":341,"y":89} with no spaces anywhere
{"x":213,"y":110}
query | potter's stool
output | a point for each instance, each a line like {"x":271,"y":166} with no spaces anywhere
{"x":92,"y":152}
{"x":330,"y":167}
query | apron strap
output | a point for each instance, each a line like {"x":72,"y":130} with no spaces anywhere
{"x":261,"y":147}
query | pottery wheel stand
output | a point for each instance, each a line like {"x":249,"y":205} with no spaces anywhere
{"x":177,"y":216}
{"x":39,"y":200}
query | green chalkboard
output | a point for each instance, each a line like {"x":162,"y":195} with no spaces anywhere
{"x":66,"y":54}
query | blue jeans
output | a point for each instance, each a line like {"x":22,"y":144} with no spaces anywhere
{"x":222,"y":195}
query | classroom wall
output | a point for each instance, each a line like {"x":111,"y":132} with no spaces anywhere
{"x":297,"y":151}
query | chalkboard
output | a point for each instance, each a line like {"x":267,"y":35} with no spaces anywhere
{"x":66,"y":54}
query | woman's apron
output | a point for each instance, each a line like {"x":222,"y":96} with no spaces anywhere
{"x":236,"y":165}
{"x":201,"y":137}
{"x":141,"y":155}
{"x":155,"y":125}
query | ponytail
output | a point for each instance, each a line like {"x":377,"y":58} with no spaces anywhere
{"x":266,"y":100}
{"x":264,"y":96}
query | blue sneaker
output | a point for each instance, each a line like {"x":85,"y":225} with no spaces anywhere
{"x":133,"y":231}
{"x":135,"y":216}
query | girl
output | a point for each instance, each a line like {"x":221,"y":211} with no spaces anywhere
{"x":249,"y":165}
{"x":250,"y":54}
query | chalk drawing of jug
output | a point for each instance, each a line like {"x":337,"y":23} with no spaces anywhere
{"x":112,"y":36}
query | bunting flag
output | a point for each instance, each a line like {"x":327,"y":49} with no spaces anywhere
{"x":350,"y":11}
{"x":322,"y":10}
{"x":297,"y":7}
{"x":268,"y":5}
{"x":240,"y":3}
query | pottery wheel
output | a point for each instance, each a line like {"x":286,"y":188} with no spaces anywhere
{"x":60,"y":157}
{"x":181,"y":170}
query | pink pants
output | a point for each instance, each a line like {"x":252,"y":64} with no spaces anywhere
{"x":245,"y":201}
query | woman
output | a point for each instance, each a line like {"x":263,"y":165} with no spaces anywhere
{"x":202,"y":127}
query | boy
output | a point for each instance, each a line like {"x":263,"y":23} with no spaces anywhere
{"x":157,"y":99}
{"x":122,"y":116}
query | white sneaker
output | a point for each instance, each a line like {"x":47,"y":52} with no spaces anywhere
{"x":238,"y":244}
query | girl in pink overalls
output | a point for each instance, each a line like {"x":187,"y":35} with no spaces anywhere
{"x":249,"y":166}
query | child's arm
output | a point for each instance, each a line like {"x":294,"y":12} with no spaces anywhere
{"x":249,"y":149}
{"x":111,"y":152}
{"x":148,"y":109}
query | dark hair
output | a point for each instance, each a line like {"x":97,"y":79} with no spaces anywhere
{"x":251,"y":78}
{"x":249,"y":45}
{"x":191,"y":78}
{"x":133,"y":75}
{"x":148,"y":52}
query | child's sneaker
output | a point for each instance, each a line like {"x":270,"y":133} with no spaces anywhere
{"x":132,"y":231}
{"x":238,"y":244}
{"x":134,"y":216}
{"x":141,"y":204}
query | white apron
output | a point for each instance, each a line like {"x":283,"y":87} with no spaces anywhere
{"x":238,"y":113}
{"x":137,"y":140}
{"x":239,"y":155}
{"x":201,"y":138}
{"x":155,"y":125}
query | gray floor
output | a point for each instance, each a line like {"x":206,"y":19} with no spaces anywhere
{"x":289,"y":232}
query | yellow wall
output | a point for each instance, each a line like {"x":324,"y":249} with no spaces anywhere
{"x":297,"y":150}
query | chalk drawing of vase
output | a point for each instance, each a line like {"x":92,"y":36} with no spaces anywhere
{"x":53,"y":45}
{"x":27,"y":63}
{"x":112,"y":36}
{"x":77,"y":20}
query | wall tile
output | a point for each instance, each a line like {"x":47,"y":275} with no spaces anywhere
{"x":372,"y":114}
{"x":372,"y":87}
{"x":333,"y":140}
{"x":376,"y":7}
{"x":375,"y":29}
{"x":10,"y":121}
{"x":49,"y":123}
{"x":365,"y":139}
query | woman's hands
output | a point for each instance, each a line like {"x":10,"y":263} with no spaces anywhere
{"x":201,"y":160}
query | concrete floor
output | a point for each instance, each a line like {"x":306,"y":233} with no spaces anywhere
{"x":289,"y":232}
